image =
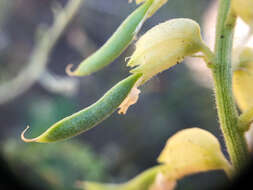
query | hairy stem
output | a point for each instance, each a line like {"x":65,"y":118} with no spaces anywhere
{"x":222,"y":73}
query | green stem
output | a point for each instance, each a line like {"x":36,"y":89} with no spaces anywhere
{"x":209,"y":57}
{"x":222,"y":73}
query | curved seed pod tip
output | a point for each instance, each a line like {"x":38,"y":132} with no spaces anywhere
{"x":88,"y":117}
{"x":118,"y":42}
{"x":166,"y":45}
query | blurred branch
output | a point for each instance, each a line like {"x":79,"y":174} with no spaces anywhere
{"x":39,"y":57}
{"x":59,"y":84}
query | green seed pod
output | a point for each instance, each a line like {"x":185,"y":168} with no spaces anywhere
{"x":118,"y":42}
{"x":166,"y":45}
{"x":88,"y":117}
{"x":244,"y":9}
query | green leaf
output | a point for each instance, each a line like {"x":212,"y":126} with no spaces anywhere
{"x":165,"y":45}
{"x":243,"y":79}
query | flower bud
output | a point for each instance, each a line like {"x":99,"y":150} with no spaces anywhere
{"x":244,"y":9}
{"x":164,"y":46}
{"x":190,"y":151}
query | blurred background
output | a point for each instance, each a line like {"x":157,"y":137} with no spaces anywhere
{"x":123,"y":145}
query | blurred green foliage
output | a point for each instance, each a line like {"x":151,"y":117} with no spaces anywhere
{"x":54,"y":166}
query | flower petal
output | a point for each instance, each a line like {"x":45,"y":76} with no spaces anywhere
{"x":190,"y":151}
{"x":164,"y":46}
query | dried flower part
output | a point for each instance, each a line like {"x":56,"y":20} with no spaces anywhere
{"x":131,"y":99}
{"x":243,"y":79}
{"x":190,"y":151}
{"x":244,"y":9}
{"x":164,"y":46}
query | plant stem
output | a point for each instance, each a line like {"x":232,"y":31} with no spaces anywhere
{"x":222,"y":73}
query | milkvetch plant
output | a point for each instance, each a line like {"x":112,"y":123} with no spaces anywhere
{"x":191,"y":150}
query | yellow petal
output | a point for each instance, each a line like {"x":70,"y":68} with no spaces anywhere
{"x":165,"y":45}
{"x":244,"y":9}
{"x":163,"y":183}
{"x":131,"y":99}
{"x":190,"y":151}
{"x":243,"y":79}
